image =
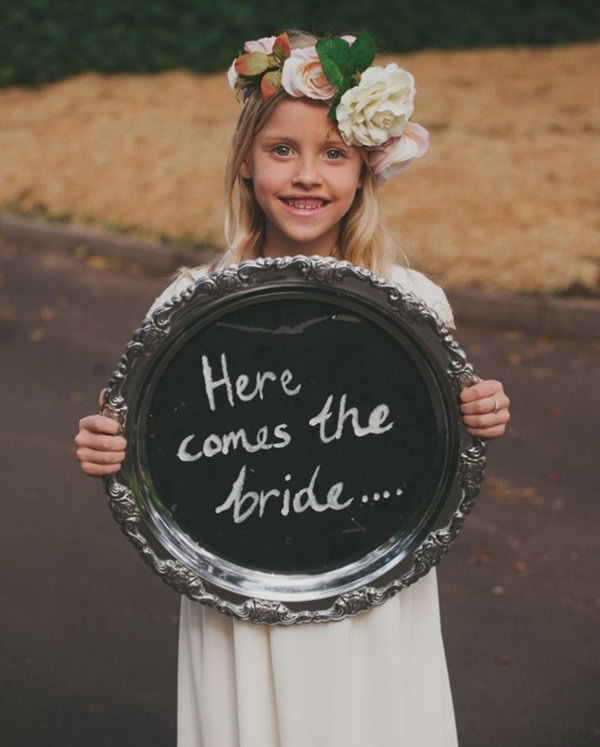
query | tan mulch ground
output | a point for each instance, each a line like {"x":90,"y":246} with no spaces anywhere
{"x":507,"y":198}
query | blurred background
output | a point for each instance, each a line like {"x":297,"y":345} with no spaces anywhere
{"x":117,"y":115}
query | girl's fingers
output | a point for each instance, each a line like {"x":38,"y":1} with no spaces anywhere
{"x":99,"y":424}
{"x":98,"y":446}
{"x":100,"y":441}
{"x":486,"y":388}
{"x":489,"y":420}
{"x":485,"y":405}
{"x":99,"y":457}
{"x":484,"y":409}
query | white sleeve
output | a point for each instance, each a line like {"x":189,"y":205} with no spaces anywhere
{"x":183,"y":279}
{"x":426,"y":290}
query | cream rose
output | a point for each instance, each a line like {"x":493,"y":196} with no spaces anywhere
{"x":378,"y":108}
{"x":398,"y":153}
{"x":302,"y":75}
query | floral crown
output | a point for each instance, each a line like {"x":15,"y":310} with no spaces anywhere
{"x":371,"y":105}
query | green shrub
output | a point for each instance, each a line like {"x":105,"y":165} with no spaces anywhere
{"x":42,"y":40}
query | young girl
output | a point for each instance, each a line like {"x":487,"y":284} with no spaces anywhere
{"x":301,"y":178}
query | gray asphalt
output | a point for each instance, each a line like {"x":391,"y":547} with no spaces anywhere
{"x":88,"y":634}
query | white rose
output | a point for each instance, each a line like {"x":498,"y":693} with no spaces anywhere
{"x":378,"y":108}
{"x":302,"y":75}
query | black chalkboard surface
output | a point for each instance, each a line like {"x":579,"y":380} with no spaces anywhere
{"x":296,"y":451}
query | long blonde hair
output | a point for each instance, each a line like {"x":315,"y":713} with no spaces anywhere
{"x":364,"y":240}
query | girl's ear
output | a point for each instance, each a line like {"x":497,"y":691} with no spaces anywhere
{"x":245,"y":172}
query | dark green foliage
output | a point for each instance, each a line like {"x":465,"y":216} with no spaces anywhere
{"x":43,"y":40}
{"x":333,"y":61}
{"x":342,"y":63}
{"x":362,"y":52}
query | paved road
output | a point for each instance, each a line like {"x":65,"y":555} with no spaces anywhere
{"x":88,"y":634}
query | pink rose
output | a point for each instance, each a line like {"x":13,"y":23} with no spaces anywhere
{"x":398,"y":153}
{"x":302,"y":75}
{"x":260,"y":45}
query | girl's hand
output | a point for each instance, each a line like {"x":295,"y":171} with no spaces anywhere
{"x":99,"y":447}
{"x":484,"y":408}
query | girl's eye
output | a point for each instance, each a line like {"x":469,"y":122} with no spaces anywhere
{"x":282,"y":150}
{"x":334,"y":154}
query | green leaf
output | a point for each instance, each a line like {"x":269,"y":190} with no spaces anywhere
{"x":347,"y":84}
{"x":331,"y":70}
{"x":362,"y":52}
{"x":337,"y":50}
{"x":331,"y":113}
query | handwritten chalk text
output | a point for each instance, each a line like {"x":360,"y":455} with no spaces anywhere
{"x":244,"y":504}
{"x":215,"y":444}
{"x":241,"y":383}
{"x":375,"y":424}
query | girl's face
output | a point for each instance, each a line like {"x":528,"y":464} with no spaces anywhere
{"x":304,"y":178}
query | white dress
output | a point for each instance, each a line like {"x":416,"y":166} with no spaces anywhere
{"x":375,"y":680}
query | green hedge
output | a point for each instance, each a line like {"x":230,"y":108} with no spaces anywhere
{"x":42,"y":40}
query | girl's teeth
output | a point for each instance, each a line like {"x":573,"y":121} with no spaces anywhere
{"x":305,"y":204}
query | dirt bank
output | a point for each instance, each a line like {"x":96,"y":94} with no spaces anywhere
{"x":507,"y":198}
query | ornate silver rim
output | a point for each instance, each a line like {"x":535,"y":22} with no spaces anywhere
{"x":129,"y":512}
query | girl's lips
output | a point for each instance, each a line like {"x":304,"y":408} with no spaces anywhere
{"x":304,"y":206}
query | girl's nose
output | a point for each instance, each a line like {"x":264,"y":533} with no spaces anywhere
{"x":307,"y":174}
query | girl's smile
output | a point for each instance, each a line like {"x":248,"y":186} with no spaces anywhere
{"x":304,"y":179}
{"x":305,"y":206}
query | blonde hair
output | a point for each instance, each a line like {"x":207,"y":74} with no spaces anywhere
{"x":364,"y":240}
